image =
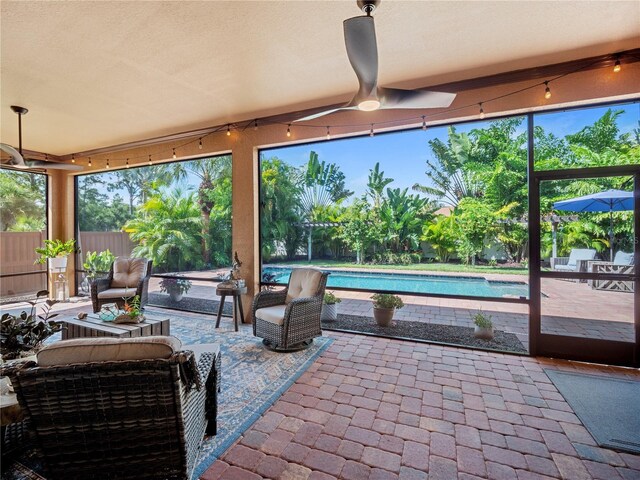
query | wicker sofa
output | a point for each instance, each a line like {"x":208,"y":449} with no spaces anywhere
{"x":127,"y":278}
{"x":112,"y":408}
{"x":289,"y":319}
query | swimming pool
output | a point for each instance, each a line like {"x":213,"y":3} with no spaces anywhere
{"x":412,"y":283}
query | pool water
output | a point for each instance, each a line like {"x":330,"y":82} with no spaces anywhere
{"x":413,"y":283}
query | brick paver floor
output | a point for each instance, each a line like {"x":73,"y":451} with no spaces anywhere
{"x":373,"y":408}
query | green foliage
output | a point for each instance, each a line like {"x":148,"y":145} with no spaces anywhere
{"x":168,"y":229}
{"x":27,"y":331}
{"x":132,"y":307}
{"x":175,"y":285}
{"x":482,"y":320}
{"x":441,"y":234}
{"x":376,"y":183}
{"x":386,"y":300}
{"x":331,"y":299}
{"x":360,"y":228}
{"x":55,"y":248}
{"x":475,"y":221}
{"x":22,"y":201}
{"x":96,"y":263}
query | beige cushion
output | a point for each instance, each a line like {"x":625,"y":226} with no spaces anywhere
{"x":84,"y":350}
{"x":127,"y":272}
{"x":117,"y":293}
{"x":303,"y":283}
{"x":274,"y":314}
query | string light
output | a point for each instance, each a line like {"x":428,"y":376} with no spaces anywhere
{"x":200,"y":143}
{"x":174,"y":154}
{"x":617,"y":67}
{"x":255,"y":124}
{"x":127,"y":163}
{"x":371,"y":132}
{"x":289,"y":130}
{"x":481,"y":111}
{"x":328,"y":133}
{"x":89,"y":161}
{"x":73,"y":158}
{"x":424,"y":123}
{"x":108,"y":166}
{"x":150,"y":162}
{"x":228,"y":130}
{"x":547,"y":91}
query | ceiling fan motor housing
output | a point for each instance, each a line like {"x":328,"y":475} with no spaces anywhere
{"x":368,"y":6}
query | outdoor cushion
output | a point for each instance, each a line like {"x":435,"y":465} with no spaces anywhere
{"x":303,"y":283}
{"x":127,"y":272}
{"x":117,"y":293}
{"x":580,"y":254}
{"x":274,"y":314}
{"x":84,"y":350}
{"x":623,"y":258}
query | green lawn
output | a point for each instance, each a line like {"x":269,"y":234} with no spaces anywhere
{"x":419,"y":267}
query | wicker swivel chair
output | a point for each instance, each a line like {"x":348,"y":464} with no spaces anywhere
{"x":289,"y":319}
{"x":127,"y":278}
{"x":119,"y":408}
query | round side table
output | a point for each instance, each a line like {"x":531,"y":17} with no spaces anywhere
{"x":236,"y":293}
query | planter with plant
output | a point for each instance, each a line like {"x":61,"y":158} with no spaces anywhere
{"x":97,"y":265}
{"x":384,"y":307}
{"x":483,"y":326}
{"x":133,"y":312}
{"x":56,"y":251}
{"x":329,"y":310}
{"x":22,"y":335}
{"x":175,"y":287}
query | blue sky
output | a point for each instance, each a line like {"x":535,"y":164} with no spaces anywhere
{"x":402,"y":155}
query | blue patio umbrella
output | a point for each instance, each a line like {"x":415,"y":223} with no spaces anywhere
{"x":607,"y":201}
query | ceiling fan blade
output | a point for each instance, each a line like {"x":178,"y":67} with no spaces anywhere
{"x":16,"y":160}
{"x":318,"y":115}
{"x":362,"y":50}
{"x":397,"y":98}
{"x":53,"y":165}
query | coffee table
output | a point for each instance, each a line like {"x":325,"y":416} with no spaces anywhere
{"x":92,"y":326}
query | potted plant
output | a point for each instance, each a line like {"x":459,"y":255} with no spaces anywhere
{"x":96,"y":264}
{"x":384,"y":306}
{"x":175,"y":287}
{"x":329,"y":310}
{"x":22,"y":335}
{"x":133,"y":312}
{"x":56,"y":251}
{"x":483,"y":326}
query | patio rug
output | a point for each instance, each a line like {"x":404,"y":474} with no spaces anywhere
{"x":608,"y":407}
{"x":253,"y":378}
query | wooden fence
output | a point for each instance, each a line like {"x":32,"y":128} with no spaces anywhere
{"x":17,"y":255}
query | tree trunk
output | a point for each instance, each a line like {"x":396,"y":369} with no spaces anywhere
{"x":206,"y":219}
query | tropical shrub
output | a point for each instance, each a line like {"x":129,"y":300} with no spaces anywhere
{"x":55,"y":248}
{"x":441,"y":235}
{"x":96,"y":263}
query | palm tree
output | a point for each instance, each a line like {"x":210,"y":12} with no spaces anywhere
{"x":167,"y":230}
{"x":376,"y":184}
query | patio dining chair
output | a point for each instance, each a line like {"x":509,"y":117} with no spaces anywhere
{"x":127,"y":278}
{"x":289,"y":319}
{"x":119,"y":408}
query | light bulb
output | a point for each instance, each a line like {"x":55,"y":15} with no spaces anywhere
{"x":481,"y":111}
{"x":371,"y":132}
{"x":255,"y":124}
{"x":617,"y":67}
{"x":108,"y":163}
{"x":127,"y":163}
{"x":228,"y":131}
{"x":174,"y":154}
{"x":150,"y":162}
{"x":547,"y":91}
{"x":89,"y":161}
{"x":289,"y":130}
{"x":328,"y":134}
{"x":424,"y":123}
{"x":200,"y":143}
{"x":73,"y":159}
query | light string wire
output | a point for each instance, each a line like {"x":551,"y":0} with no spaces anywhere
{"x":241,"y":127}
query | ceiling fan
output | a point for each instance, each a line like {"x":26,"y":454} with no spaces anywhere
{"x":362,"y":50}
{"x":17,"y":160}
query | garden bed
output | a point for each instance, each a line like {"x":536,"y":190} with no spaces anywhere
{"x":431,"y":332}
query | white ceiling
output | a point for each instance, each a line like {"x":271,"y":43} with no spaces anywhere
{"x":95,"y":74}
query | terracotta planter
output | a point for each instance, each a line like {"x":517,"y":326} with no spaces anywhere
{"x":329,"y":313}
{"x":483,"y":333}
{"x":383,"y":316}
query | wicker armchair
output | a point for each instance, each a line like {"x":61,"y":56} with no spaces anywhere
{"x":289,"y":319}
{"x":127,"y":278}
{"x":131,"y":418}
